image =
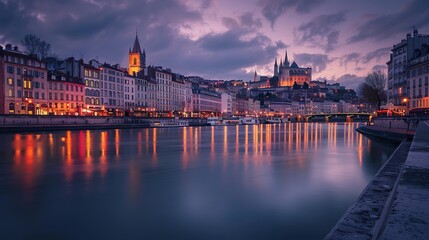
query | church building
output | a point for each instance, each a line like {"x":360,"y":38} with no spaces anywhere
{"x":137,"y":58}
{"x":288,"y":73}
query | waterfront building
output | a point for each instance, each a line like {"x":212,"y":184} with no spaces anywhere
{"x":66,"y":94}
{"x":112,"y":89}
{"x":419,"y":79}
{"x":129,"y":92}
{"x":281,"y":107}
{"x":141,"y":92}
{"x":66,"y":90}
{"x":93,"y":101}
{"x":398,"y":72}
{"x":188,"y":97}
{"x":288,"y":74}
{"x":136,"y":58}
{"x":23,"y":83}
{"x":170,"y":89}
{"x":206,"y":102}
{"x":226,"y":105}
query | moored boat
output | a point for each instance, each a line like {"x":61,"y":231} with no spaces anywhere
{"x":165,"y":123}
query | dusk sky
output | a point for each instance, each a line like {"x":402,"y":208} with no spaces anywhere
{"x":222,"y":39}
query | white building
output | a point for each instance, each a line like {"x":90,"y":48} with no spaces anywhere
{"x":129,"y":92}
{"x":112,"y":89}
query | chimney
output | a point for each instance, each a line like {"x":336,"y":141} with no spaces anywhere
{"x":9,"y":46}
{"x":415,"y":32}
{"x":15,"y":48}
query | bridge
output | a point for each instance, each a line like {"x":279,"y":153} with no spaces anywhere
{"x":337,"y":117}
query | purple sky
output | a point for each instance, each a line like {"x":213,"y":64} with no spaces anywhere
{"x":222,"y":39}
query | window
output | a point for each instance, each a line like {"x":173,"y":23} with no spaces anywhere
{"x":50,"y":96}
{"x":10,"y":81}
{"x":19,"y":93}
{"x":10,"y":93}
{"x":9,"y":69}
{"x":19,"y":82}
{"x":18,"y":71}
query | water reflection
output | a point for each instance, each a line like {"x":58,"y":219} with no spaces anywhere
{"x":228,"y":173}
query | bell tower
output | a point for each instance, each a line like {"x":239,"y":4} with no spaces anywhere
{"x":136,"y":58}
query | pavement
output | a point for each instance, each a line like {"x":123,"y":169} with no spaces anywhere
{"x":408,"y":217}
{"x":395,"y":204}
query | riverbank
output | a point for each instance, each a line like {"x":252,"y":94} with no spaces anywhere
{"x":18,"y":123}
{"x":394,"y":204}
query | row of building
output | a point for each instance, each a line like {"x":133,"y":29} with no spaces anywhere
{"x":73,"y":87}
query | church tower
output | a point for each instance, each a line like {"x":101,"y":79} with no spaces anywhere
{"x":286,"y":64}
{"x":276,"y":68}
{"x":136,"y":58}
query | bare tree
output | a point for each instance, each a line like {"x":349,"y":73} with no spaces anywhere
{"x":373,"y":89}
{"x":44,"y":49}
{"x":34,"y":45}
{"x":31,"y":43}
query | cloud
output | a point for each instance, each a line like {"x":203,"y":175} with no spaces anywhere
{"x":378,"y":54}
{"x":273,"y":9}
{"x":350,"y":58}
{"x":412,"y":13}
{"x":318,"y":62}
{"x":321,"y":31}
{"x":350,"y":81}
{"x":382,"y":68}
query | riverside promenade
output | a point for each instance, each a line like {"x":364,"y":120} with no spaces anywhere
{"x":394,"y":205}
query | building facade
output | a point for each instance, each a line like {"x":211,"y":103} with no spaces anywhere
{"x":398,"y":72}
{"x":419,"y":79}
{"x":23,"y":83}
{"x":93,"y":101}
{"x":112,"y":89}
{"x":66,"y":94}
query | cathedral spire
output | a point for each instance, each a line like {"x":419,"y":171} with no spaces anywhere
{"x":136,"y":46}
{"x":286,"y":60}
{"x":276,"y":68}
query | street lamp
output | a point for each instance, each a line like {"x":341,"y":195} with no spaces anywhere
{"x":405,"y":101}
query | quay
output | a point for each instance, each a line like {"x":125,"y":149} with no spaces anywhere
{"x":24,"y":123}
{"x":394,"y":205}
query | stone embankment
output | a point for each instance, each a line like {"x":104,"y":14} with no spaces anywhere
{"x":391,"y":128}
{"x":22,"y":123}
{"x":394,"y":205}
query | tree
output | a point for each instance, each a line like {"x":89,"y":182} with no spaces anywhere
{"x":34,"y":45}
{"x":373,"y":89}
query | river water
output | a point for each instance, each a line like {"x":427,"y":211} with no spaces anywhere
{"x":280,"y":181}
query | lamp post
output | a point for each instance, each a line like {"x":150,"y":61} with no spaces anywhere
{"x":405,"y":101}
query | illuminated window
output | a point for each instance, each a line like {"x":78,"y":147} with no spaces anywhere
{"x":10,"y":92}
{"x":10,"y":81}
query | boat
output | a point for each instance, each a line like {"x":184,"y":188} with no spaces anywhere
{"x":248,"y":120}
{"x":275,"y":120}
{"x":166,"y":123}
{"x":231,"y":121}
{"x":214,"y":121}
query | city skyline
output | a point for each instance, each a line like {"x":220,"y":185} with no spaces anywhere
{"x":221,"y":40}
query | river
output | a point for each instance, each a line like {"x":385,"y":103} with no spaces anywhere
{"x":280,"y":181}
